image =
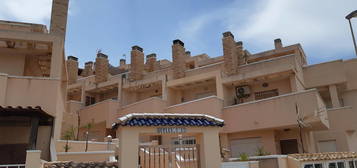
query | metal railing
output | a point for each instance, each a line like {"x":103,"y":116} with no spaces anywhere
{"x":13,"y":166}
{"x":169,"y":156}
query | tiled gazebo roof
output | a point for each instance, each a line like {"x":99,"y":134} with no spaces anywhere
{"x":24,"y":111}
{"x":323,"y":156}
{"x":68,"y":164}
{"x":168,"y":119}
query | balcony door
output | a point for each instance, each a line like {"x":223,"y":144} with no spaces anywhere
{"x":289,"y":146}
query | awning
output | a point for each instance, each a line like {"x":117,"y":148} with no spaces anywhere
{"x":19,"y":111}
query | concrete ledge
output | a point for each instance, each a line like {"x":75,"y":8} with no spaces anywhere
{"x":92,"y":156}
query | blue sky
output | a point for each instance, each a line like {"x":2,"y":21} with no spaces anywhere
{"x":115,"y":25}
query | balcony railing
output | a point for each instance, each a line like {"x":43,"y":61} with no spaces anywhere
{"x":305,"y":108}
{"x":30,"y":91}
{"x":149,"y":105}
{"x":104,"y":111}
{"x":211,"y":105}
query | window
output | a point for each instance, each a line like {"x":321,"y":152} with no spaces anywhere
{"x":90,"y":100}
{"x":332,"y":165}
{"x":341,"y":164}
{"x":309,"y":166}
{"x":184,"y":141}
{"x":327,"y":146}
{"x":350,"y":163}
{"x":266,"y":94}
{"x":316,"y":165}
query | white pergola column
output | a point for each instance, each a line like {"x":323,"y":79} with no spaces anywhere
{"x":128,"y":147}
{"x":209,"y":149}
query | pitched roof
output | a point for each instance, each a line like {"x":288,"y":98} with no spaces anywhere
{"x":80,"y":164}
{"x":323,"y":156}
{"x":168,"y":119}
{"x":24,"y":111}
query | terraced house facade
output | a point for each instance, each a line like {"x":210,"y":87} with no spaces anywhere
{"x":271,"y":101}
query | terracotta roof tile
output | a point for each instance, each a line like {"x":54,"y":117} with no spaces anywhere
{"x":70,"y":164}
{"x":168,"y":119}
{"x":323,"y":156}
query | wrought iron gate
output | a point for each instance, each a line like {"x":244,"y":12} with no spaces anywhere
{"x":169,"y":156}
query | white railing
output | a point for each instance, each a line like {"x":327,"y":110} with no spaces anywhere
{"x":13,"y":166}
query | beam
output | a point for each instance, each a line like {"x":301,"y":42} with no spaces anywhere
{"x":24,"y":51}
{"x":33,"y":132}
{"x":26,"y":36}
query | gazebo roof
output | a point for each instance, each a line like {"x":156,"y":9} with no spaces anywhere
{"x":29,"y":111}
{"x":168,"y":119}
{"x":323,"y":156}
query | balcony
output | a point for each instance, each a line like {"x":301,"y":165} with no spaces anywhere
{"x":341,"y":118}
{"x":277,"y":65}
{"x":105,"y":111}
{"x":149,"y":105}
{"x":278,"y":112}
{"x":211,"y":105}
{"x":30,"y":91}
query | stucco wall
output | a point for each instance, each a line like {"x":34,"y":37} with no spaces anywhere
{"x":79,"y":146}
{"x":210,"y":105}
{"x":262,"y":114}
{"x":98,"y":156}
{"x":12,"y":64}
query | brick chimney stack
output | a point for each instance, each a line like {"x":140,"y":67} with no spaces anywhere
{"x":88,"y":69}
{"x":229,"y":53}
{"x":278,"y":44}
{"x":188,"y":53}
{"x":72,"y":68}
{"x":59,"y":17}
{"x":101,"y":68}
{"x":241,"y":58}
{"x":178,"y":58}
{"x":122,"y":62}
{"x":151,"y":62}
{"x":137,"y":63}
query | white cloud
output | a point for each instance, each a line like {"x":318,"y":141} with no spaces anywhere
{"x":34,"y":11}
{"x":316,"y":24}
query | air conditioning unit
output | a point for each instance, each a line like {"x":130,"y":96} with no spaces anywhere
{"x":242,"y":91}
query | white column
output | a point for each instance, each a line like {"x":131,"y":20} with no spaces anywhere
{"x":209,"y":149}
{"x":219,"y":86}
{"x":3,"y":88}
{"x":334,"y":96}
{"x":128,"y":147}
{"x":164,"y":89}
{"x":57,"y":58}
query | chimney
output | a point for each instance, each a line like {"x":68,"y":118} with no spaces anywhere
{"x":188,"y":53}
{"x":137,"y":63}
{"x":88,"y":69}
{"x":101,"y":68}
{"x":59,"y":17}
{"x":122,"y":62}
{"x":178,"y":58}
{"x":230,"y":53}
{"x":72,"y":69}
{"x":241,"y":57}
{"x":278,"y":44}
{"x":151,"y":62}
